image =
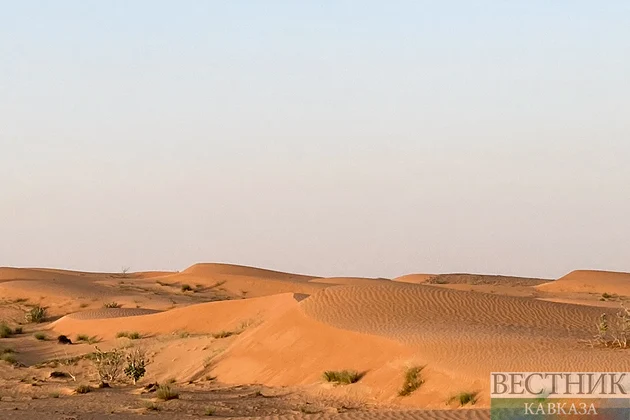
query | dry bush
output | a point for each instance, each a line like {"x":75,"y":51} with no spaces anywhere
{"x":136,"y":364}
{"x":615,"y":333}
{"x":109,"y":365}
{"x":342,"y":377}
{"x":412,"y":382}
{"x":165,"y":393}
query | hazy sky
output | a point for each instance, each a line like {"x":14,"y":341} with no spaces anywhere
{"x":326,"y":137}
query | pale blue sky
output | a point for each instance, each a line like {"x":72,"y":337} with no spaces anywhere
{"x":329,"y":137}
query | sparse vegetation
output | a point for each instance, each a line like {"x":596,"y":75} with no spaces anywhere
{"x":412,"y":382}
{"x":40,"y":336}
{"x":18,"y":330}
{"x":9,"y":358}
{"x":210,"y":411}
{"x":112,"y":305}
{"x":54,"y":395}
{"x":224,"y":334}
{"x":5,"y":330}
{"x":165,"y":393}
{"x":344,"y":377}
{"x":87,"y":339}
{"x":186,"y":288}
{"x":83,"y":389}
{"x":151,"y":406}
{"x":134,"y":335}
{"x":615,"y":333}
{"x":464,"y":398}
{"x":136,"y":364}
{"x":108,"y":365}
{"x":36,"y":315}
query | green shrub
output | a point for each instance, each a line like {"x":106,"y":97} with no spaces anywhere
{"x":136,"y":365}
{"x":40,"y":336}
{"x":412,"y":381}
{"x":342,"y":377}
{"x":36,"y":315}
{"x":165,"y":393}
{"x":464,"y":398}
{"x":5,"y":330}
{"x":9,"y":358}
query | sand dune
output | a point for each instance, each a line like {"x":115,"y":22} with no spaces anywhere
{"x":290,"y":328}
{"x":203,"y":318}
{"x":585,"y":281}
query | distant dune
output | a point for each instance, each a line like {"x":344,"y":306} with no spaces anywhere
{"x":590,"y":281}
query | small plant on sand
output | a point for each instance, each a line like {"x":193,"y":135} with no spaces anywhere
{"x":18,"y":330}
{"x":87,"y":339}
{"x":82,"y":389}
{"x":223,"y":334}
{"x":615,"y":333}
{"x":5,"y":330}
{"x":36,"y":315}
{"x":165,"y":393}
{"x":464,"y":398}
{"x":412,"y":381}
{"x":113,"y":305}
{"x":186,"y":288}
{"x":54,"y":395}
{"x":134,"y":335}
{"x":136,"y":364}
{"x":151,"y":406}
{"x":40,"y":336}
{"x":344,"y":377}
{"x":109,"y":365}
{"x":210,"y":411}
{"x":9,"y":358}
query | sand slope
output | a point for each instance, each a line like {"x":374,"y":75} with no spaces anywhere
{"x":589,"y":281}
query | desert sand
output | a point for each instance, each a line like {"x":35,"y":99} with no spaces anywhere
{"x":245,"y":342}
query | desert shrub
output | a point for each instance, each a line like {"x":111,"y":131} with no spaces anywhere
{"x":165,"y":393}
{"x":112,"y":305}
{"x":134,"y":335}
{"x":36,"y":315}
{"x":223,"y":334}
{"x":615,"y":333}
{"x":8,"y":350}
{"x":210,"y":411}
{"x":136,"y":364}
{"x":342,"y":377}
{"x":57,"y":374}
{"x":186,"y":288}
{"x":412,"y":381}
{"x":83,"y":337}
{"x":5,"y":330}
{"x":82,"y":389}
{"x":464,"y":398}
{"x":54,"y":395}
{"x":18,"y":330}
{"x":108,"y":364}
{"x":40,"y":336}
{"x":9,"y":358}
{"x":151,"y":406}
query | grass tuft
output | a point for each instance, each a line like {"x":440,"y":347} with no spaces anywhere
{"x":210,"y":411}
{"x":5,"y":330}
{"x":464,"y":398}
{"x":412,"y":382}
{"x":345,"y":377}
{"x":40,"y":336}
{"x":112,"y":305}
{"x":134,"y":335}
{"x":186,"y":288}
{"x":151,"y":406}
{"x":165,"y":393}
